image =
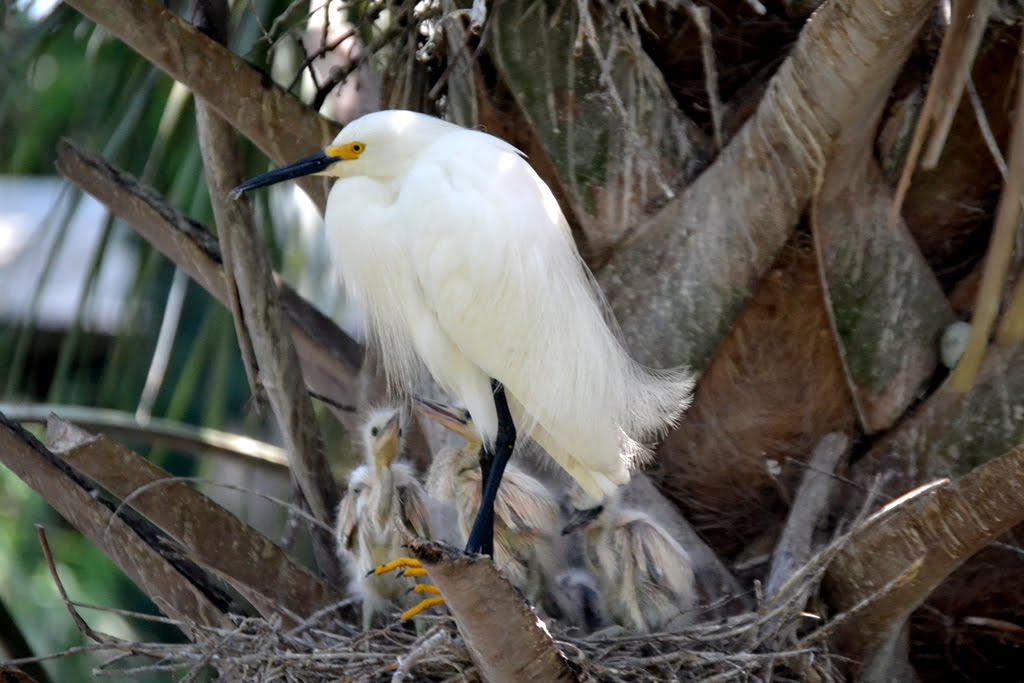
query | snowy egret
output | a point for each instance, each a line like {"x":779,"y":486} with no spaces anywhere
{"x":645,"y":575}
{"x":468,"y":271}
{"x":384,"y":504}
{"x":525,"y":517}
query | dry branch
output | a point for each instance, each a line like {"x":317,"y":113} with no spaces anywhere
{"x":174,"y":593}
{"x":810,"y":506}
{"x":710,"y":244}
{"x":243,"y":557}
{"x":939,"y":529}
{"x":501,"y":632}
{"x":280,"y":125}
{"x":330,"y":359}
{"x":155,"y":432}
{"x":262,"y":322}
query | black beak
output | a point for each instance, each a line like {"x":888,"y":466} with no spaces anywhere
{"x":314,"y":163}
{"x":581,"y":518}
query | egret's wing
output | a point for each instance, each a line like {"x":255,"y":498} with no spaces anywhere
{"x":413,"y":509}
{"x":525,"y":504}
{"x":664,"y":572}
{"x":348,"y":523}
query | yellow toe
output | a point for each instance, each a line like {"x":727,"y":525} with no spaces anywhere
{"x":426,"y":588}
{"x":407,"y":562}
{"x":421,"y":607}
{"x":414,"y":573}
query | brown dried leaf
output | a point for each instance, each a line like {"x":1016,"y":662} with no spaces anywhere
{"x":44,"y":472}
{"x":246,"y":559}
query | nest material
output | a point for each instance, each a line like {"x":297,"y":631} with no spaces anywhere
{"x":778,"y":641}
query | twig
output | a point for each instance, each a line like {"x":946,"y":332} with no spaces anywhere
{"x":809,"y":505}
{"x":164,"y":346}
{"x":986,"y":130}
{"x":80,"y":623}
{"x":435,"y":638}
{"x":956,"y":55}
{"x":701,"y":18}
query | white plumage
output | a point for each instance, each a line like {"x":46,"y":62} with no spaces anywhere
{"x":467,"y":269}
{"x":383,"y":506}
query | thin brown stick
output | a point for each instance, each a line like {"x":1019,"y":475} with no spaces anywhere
{"x":80,"y":623}
{"x":953,"y":63}
{"x":997,"y":263}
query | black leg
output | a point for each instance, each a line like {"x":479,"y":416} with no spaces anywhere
{"x":481,"y":538}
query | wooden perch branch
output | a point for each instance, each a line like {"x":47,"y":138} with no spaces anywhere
{"x":243,"y":557}
{"x":330,"y":359}
{"x":63,"y":489}
{"x":715,"y":239}
{"x":504,"y":637}
{"x":279,"y":124}
{"x":939,"y":529}
{"x":262,"y":319}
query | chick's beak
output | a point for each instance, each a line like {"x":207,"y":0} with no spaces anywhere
{"x":445,"y":417}
{"x":315,"y":163}
{"x":387,"y":440}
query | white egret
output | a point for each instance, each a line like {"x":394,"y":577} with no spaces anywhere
{"x":384,"y":504}
{"x":526,"y":515}
{"x":467,"y":269}
{"x":645,"y":575}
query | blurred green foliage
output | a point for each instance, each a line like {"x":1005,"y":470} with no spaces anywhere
{"x":61,"y":76}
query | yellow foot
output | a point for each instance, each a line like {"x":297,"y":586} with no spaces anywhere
{"x":423,"y":604}
{"x":413,"y":567}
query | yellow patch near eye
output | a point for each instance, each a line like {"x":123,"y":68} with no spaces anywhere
{"x":347,"y":152}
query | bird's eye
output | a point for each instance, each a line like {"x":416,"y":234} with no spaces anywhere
{"x":357,"y":148}
{"x":468,"y":416}
{"x":374,"y":432}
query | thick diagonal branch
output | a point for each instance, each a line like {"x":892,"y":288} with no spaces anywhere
{"x":937,"y":531}
{"x":676,"y":289}
{"x":243,"y":557}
